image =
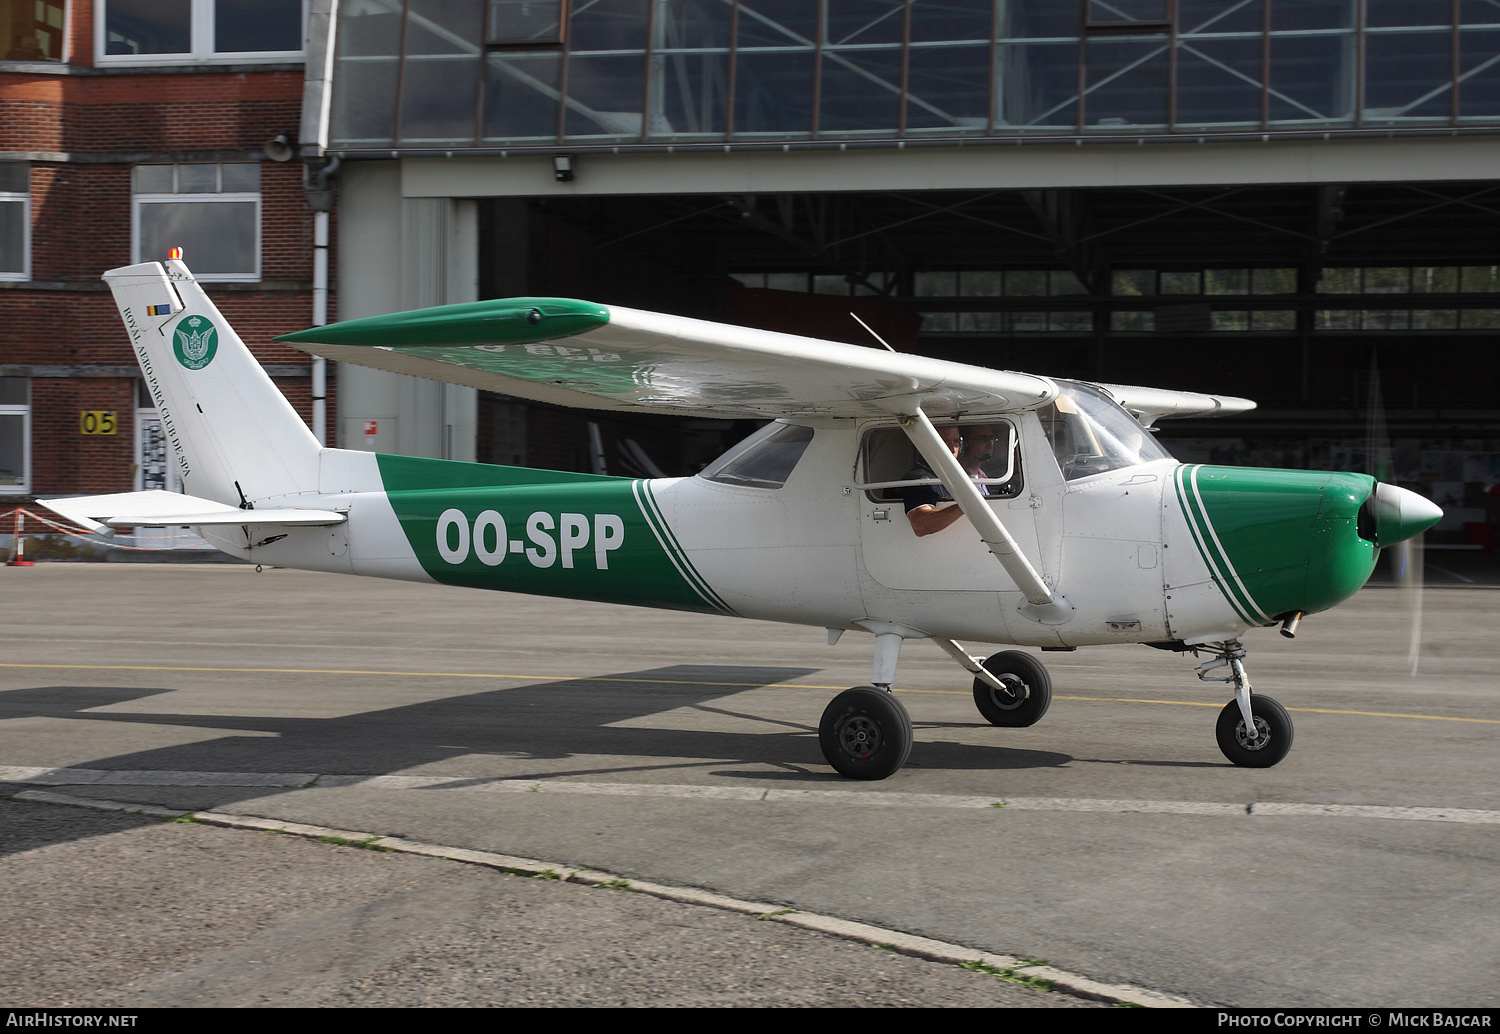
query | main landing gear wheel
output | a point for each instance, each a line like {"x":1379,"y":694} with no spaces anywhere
{"x":865,"y":733}
{"x":1273,"y":733}
{"x":1029,"y":690}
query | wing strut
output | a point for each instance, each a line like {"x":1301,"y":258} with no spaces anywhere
{"x":1042,"y":603}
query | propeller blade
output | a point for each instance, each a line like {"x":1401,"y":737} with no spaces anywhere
{"x":1409,"y":578}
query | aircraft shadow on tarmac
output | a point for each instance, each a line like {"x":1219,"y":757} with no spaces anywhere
{"x":545,"y":721}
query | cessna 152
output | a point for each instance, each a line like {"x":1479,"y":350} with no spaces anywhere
{"x":1089,"y":533}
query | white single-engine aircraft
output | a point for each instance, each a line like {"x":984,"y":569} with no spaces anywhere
{"x":1088,"y":534}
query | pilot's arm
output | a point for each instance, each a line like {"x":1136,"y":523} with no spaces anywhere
{"x":927,"y":518}
{"x":928,"y":511}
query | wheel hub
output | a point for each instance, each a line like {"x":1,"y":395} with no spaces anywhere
{"x":1259,"y":740}
{"x":1014,"y":695}
{"x":859,"y":736}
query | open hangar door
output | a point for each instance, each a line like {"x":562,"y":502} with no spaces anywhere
{"x":1312,"y":300}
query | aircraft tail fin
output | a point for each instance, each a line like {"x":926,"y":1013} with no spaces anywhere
{"x":234,"y":436}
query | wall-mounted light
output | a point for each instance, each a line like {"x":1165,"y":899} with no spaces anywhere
{"x":562,"y":168}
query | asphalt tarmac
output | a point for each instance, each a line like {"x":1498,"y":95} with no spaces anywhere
{"x":683,"y":750}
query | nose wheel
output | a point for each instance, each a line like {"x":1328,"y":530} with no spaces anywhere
{"x":1260,"y":747}
{"x":1253,"y":731}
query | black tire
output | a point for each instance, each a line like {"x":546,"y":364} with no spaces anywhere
{"x":1273,"y":723}
{"x":865,"y":733}
{"x":1030,"y":696}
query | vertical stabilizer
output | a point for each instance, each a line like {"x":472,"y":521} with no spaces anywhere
{"x":234,"y":436}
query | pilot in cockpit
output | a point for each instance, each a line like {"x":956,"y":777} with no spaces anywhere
{"x":930,"y":508}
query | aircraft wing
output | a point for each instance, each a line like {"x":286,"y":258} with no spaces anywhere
{"x":158,"y":509}
{"x":1148,"y":405}
{"x":593,"y":356}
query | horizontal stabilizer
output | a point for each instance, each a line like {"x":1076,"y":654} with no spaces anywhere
{"x":158,"y":509}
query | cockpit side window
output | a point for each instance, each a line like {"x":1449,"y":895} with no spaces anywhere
{"x":764,"y":460}
{"x":890,"y":465}
{"x":1091,"y":434}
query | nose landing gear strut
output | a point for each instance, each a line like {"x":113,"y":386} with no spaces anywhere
{"x":1253,"y":731}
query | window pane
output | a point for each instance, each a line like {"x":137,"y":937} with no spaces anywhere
{"x":13,"y":391}
{"x":1311,"y":78}
{"x":981,"y":284}
{"x":36,"y":31}
{"x":939,"y":322}
{"x":12,"y":237}
{"x":520,"y":96}
{"x":243,"y":26}
{"x":786,"y":281}
{"x":830,"y":284}
{"x":1409,"y":75}
{"x":773,"y":93}
{"x":606,"y":69}
{"x":1434,"y":280}
{"x":1133,"y":282}
{"x":1231,"y":321}
{"x":153,"y":179}
{"x":1481,"y":278}
{"x":440,"y":76}
{"x":1218,"y":80}
{"x":147,"y":26}
{"x":1434,"y":319}
{"x":1480,"y":319}
{"x":364,"y":84}
{"x":948,"y":88}
{"x":935,"y":285}
{"x":198,"y":179}
{"x":861,"y":91}
{"x":982,"y":322}
{"x":1381,"y":13}
{"x":1388,"y":280}
{"x":1343,"y":280}
{"x":1071,"y":322}
{"x":777,"y":23}
{"x":1127,"y":83}
{"x":518,"y":21}
{"x":1479,"y":90}
{"x":1132,"y":321}
{"x":1226,"y":281}
{"x":951,"y":20}
{"x":1273,"y":281}
{"x":217,"y":237}
{"x":14,"y":177}
{"x":1279,"y":319}
{"x":12,"y":449}
{"x":1215,"y":16}
{"x":1026,"y":283}
{"x":1127,"y":10}
{"x":1063,"y":281}
{"x":690,"y":69}
{"x":1180,"y":283}
{"x":241,"y":177}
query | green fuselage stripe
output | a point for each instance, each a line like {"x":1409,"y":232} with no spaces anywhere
{"x":1198,"y":525}
{"x":663,"y":532}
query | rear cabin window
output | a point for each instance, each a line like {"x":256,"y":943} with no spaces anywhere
{"x":764,"y":460}
{"x":892,"y":466}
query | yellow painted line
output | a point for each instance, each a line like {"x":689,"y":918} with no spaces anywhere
{"x":700,"y":682}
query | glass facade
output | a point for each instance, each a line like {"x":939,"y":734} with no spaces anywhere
{"x":456,"y":73}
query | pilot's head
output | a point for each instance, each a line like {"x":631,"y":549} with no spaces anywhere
{"x":978,"y":446}
{"x":951,"y":437}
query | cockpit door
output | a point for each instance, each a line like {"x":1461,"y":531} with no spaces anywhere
{"x":954,"y":558}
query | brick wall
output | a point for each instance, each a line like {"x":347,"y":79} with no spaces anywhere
{"x":81,"y":226}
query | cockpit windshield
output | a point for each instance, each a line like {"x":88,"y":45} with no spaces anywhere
{"x":1090,"y":433}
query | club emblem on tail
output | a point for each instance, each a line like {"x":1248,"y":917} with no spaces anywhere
{"x":195,"y":342}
